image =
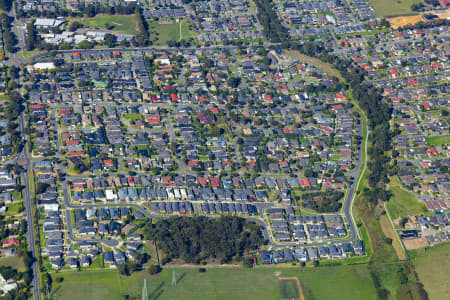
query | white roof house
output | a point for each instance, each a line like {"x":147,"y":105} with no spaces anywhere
{"x":47,"y":23}
{"x":110,"y":195}
{"x":44,"y":66}
{"x":51,"y":207}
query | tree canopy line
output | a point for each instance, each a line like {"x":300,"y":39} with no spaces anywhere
{"x":9,"y":38}
{"x":12,"y":109}
{"x":272,"y":25}
{"x":89,"y":11}
{"x":198,"y":239}
{"x":143,"y":38}
{"x":32,"y":39}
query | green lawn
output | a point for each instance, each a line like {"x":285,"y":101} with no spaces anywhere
{"x":132,"y":117}
{"x":161,"y":33}
{"x":344,"y":282}
{"x":28,"y":54}
{"x":14,"y":262}
{"x":13,"y":209}
{"x":117,"y":23}
{"x":403,"y":203}
{"x":433,"y":268}
{"x":390,"y":8}
{"x":437,"y":140}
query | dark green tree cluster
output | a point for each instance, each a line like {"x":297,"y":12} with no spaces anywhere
{"x":132,"y":266}
{"x":6,"y":4}
{"x":12,"y":109}
{"x":9,"y":38}
{"x":198,"y":239}
{"x":32,"y":40}
{"x":272,"y":25}
{"x":323,"y":202}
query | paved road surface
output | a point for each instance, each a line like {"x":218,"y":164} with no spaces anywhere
{"x":29,"y":213}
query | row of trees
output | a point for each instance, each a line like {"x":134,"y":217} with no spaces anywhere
{"x":272,"y":25}
{"x":198,"y":239}
{"x":143,"y":38}
{"x":87,"y":11}
{"x":11,"y":110}
{"x":9,"y":38}
{"x":32,"y":39}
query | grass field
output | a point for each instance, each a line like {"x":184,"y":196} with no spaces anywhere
{"x":390,"y":233}
{"x":316,"y":62}
{"x":390,"y":8}
{"x":403,"y":203}
{"x":289,"y":289}
{"x":14,"y":262}
{"x":117,"y":23}
{"x":13,"y":209}
{"x":132,"y":116}
{"x":161,"y":33}
{"x":344,"y":282}
{"x":437,"y":140}
{"x":433,"y":268}
{"x":28,"y":54}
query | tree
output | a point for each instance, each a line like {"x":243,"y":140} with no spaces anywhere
{"x":32,"y":38}
{"x":234,"y":82}
{"x":41,"y":187}
{"x":385,"y":23}
{"x":110,"y":40}
{"x":85,"y":45}
{"x":75,"y":25}
{"x":9,"y":38}
{"x":123,"y":269}
{"x":224,"y":239}
{"x":6,"y":4}
{"x":417,"y":6}
{"x":154,"y":269}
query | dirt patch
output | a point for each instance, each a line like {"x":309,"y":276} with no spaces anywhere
{"x":412,"y":244}
{"x":401,"y":21}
